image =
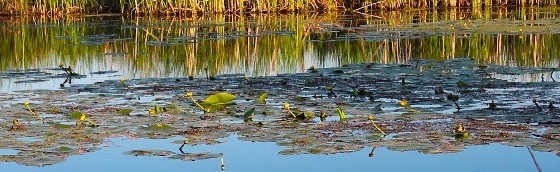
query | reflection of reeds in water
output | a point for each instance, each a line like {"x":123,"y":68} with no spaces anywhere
{"x":149,"y":51}
{"x":194,"y":7}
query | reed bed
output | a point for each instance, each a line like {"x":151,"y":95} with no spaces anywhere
{"x":47,"y":43}
{"x":196,"y":7}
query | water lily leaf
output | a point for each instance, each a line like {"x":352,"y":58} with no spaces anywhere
{"x":63,"y":149}
{"x":462,"y":135}
{"x":159,"y":126}
{"x":262,"y":98}
{"x":249,"y":114}
{"x":124,"y":112}
{"x":75,"y":115}
{"x":149,"y":153}
{"x":195,"y":156}
{"x":219,"y":99}
{"x":214,"y":108}
{"x":62,"y":126}
{"x":308,"y":115}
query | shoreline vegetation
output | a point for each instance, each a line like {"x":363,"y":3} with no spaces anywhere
{"x":270,"y":44}
{"x":197,"y":7}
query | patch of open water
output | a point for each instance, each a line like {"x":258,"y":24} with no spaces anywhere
{"x":241,"y":155}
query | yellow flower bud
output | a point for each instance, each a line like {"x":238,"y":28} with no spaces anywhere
{"x":83,"y":117}
{"x":403,"y":103}
{"x":286,"y":106}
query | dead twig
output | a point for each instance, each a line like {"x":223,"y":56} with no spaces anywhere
{"x":534,"y":159}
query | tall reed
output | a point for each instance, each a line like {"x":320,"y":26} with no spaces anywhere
{"x":194,"y":7}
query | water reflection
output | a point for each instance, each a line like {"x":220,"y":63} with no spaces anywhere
{"x":264,"y":157}
{"x":271,"y":44}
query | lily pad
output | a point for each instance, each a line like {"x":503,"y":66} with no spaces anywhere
{"x":149,"y":153}
{"x":195,"y":156}
{"x":219,"y":99}
{"x":63,"y":149}
{"x":262,"y":98}
{"x":62,"y":126}
{"x":160,"y":126}
{"x":124,"y":112}
{"x":75,"y":115}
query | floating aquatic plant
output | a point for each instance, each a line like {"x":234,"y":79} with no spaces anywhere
{"x":341,"y":114}
{"x":307,"y":115}
{"x":460,"y":131}
{"x":370,"y":118}
{"x":190,"y":96}
{"x":154,"y":111}
{"x":28,"y":107}
{"x":323,"y":115}
{"x":262,"y":98}
{"x":62,"y":126}
{"x":454,"y":98}
{"x":84,"y":121}
{"x":124,"y":111}
{"x":287,"y":108}
{"x":213,"y":102}
{"x":249,"y":114}
{"x":17,"y":126}
{"x":159,"y":126}
{"x":75,"y":115}
{"x":403,"y":103}
{"x":221,"y":98}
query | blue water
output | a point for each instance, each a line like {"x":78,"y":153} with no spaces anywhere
{"x":258,"y":156}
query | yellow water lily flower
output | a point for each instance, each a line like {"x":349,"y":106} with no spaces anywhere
{"x":151,"y":112}
{"x":15,"y":122}
{"x":459,"y":128}
{"x":16,"y":125}
{"x":286,"y":106}
{"x":403,"y":103}
{"x":188,"y":94}
{"x":83,"y":117}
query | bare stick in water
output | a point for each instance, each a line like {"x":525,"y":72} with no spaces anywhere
{"x":534,"y":159}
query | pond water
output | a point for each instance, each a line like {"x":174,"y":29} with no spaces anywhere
{"x":113,"y":48}
{"x":241,"y":155}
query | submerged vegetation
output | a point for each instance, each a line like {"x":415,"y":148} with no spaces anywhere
{"x":434,"y":126}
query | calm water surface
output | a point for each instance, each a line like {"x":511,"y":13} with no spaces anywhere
{"x":258,"y":156}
